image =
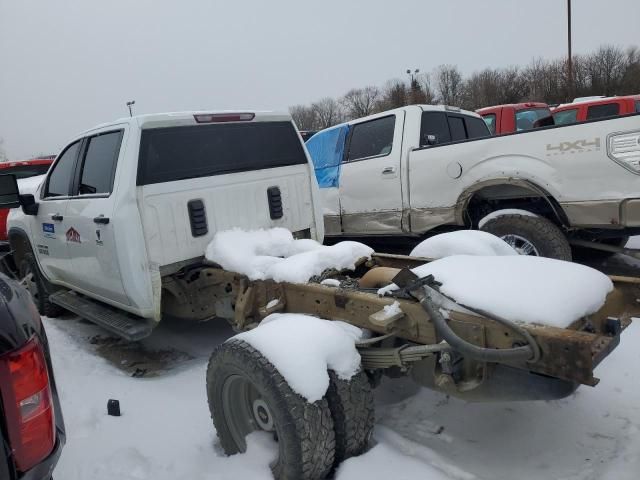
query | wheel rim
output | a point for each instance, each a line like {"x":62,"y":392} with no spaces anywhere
{"x":245,"y":411}
{"x":521,"y":245}
{"x":29,"y":282}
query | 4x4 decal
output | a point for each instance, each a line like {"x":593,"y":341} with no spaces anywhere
{"x":579,"y":146}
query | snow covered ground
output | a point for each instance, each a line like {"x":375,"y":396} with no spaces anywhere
{"x":165,"y":431}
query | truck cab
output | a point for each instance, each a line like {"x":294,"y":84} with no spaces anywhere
{"x":582,"y":110}
{"x":129,"y":204}
{"x":516,"y":117}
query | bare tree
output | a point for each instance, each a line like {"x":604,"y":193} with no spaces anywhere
{"x":303,"y":116}
{"x":360,"y":102}
{"x":449,"y":84}
{"x":394,"y":95}
{"x":328,"y":112}
{"x":606,"y":68}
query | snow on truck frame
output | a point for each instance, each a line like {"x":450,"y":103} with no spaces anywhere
{"x":117,"y":230}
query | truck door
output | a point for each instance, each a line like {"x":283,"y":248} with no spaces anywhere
{"x":90,"y":235}
{"x":49,"y":226}
{"x":370,"y":188}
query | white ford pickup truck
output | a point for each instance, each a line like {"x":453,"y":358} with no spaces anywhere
{"x":128,"y":208}
{"x":421,"y":168}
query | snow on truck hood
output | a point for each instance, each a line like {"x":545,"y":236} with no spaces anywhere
{"x":520,"y":288}
{"x":274,"y":254}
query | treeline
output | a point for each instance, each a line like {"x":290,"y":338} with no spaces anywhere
{"x":608,"y":71}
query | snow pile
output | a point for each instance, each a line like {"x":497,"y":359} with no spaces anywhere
{"x":462,"y":242}
{"x":274,"y":254}
{"x":503,"y":212}
{"x":303,"y":348}
{"x":29,"y":185}
{"x":520,"y":288}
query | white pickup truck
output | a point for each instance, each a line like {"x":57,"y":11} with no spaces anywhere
{"x":128,"y":208}
{"x":421,"y":168}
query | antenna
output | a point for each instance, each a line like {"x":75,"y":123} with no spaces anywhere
{"x":130,"y":104}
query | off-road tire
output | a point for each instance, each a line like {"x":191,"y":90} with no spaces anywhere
{"x":352,"y":410}
{"x":305,"y":433}
{"x":547,"y":238}
{"x":40,"y":293}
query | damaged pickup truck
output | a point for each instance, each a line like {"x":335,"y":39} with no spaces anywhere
{"x":117,"y":233}
{"x":421,"y":169}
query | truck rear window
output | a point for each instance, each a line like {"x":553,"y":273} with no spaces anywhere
{"x":26,"y":171}
{"x":178,"y":153}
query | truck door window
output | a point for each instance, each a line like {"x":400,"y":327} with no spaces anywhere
{"x":490,"y":121}
{"x":603,"y":111}
{"x":372,"y":139}
{"x":565,"y":117}
{"x":99,"y":165}
{"x":59,"y":181}
{"x":530,"y":118}
{"x":476,"y":128}
{"x":434,"y":123}
{"x":458,"y":131}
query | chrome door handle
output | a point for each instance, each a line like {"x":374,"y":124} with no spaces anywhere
{"x":388,"y":170}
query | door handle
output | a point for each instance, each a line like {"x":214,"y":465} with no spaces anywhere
{"x":101,"y":220}
{"x":388,"y":170}
{"x":56,"y":217}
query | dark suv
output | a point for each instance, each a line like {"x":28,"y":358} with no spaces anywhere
{"x":31,"y":426}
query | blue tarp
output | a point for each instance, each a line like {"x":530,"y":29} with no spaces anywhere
{"x":326,"y":149}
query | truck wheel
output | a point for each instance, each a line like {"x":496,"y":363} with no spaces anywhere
{"x":32,"y":280}
{"x":246,"y":393}
{"x":530,"y":235}
{"x":352,"y":410}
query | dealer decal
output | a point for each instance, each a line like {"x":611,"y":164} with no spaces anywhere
{"x":49,"y":230}
{"x":73,"y":235}
{"x":43,"y":249}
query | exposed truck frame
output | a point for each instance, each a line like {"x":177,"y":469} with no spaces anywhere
{"x":569,"y":355}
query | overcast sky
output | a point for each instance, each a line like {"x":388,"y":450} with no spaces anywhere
{"x":66,"y":65}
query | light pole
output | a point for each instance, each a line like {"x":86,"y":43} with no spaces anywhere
{"x":570,"y":58}
{"x":129,"y":105}
{"x":412,"y":74}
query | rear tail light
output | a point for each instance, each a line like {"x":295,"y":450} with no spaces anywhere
{"x":26,"y":397}
{"x":223,"y":117}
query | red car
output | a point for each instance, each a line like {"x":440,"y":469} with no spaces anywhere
{"x":590,"y":109}
{"x":516,"y":117}
{"x":21,"y":169}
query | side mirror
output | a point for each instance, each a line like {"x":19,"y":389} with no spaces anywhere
{"x":29,"y":204}
{"x":9,"y":194}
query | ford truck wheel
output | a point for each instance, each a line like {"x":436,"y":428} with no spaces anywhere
{"x":530,"y":235}
{"x":352,"y":410}
{"x":247,"y":394}
{"x":32,"y":280}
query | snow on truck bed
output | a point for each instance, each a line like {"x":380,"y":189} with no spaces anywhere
{"x":274,"y":254}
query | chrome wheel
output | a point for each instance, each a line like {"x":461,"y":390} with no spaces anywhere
{"x":521,"y":245}
{"x":245,"y":410}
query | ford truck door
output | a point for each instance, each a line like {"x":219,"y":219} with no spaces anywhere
{"x":370,"y":192}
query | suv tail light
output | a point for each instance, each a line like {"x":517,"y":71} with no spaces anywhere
{"x":26,"y":397}
{"x":224,"y":117}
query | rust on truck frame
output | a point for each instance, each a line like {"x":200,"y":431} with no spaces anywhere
{"x":409,"y":337}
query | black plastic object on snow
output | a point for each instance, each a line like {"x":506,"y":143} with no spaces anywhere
{"x":113,"y":407}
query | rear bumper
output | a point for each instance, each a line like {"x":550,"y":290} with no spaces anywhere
{"x":613,"y":214}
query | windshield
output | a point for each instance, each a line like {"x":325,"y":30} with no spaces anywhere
{"x":25,"y":171}
{"x":526,"y":119}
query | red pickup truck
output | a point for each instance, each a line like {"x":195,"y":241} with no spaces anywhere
{"x":21,"y":169}
{"x":580,"y":111}
{"x":516,"y":117}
